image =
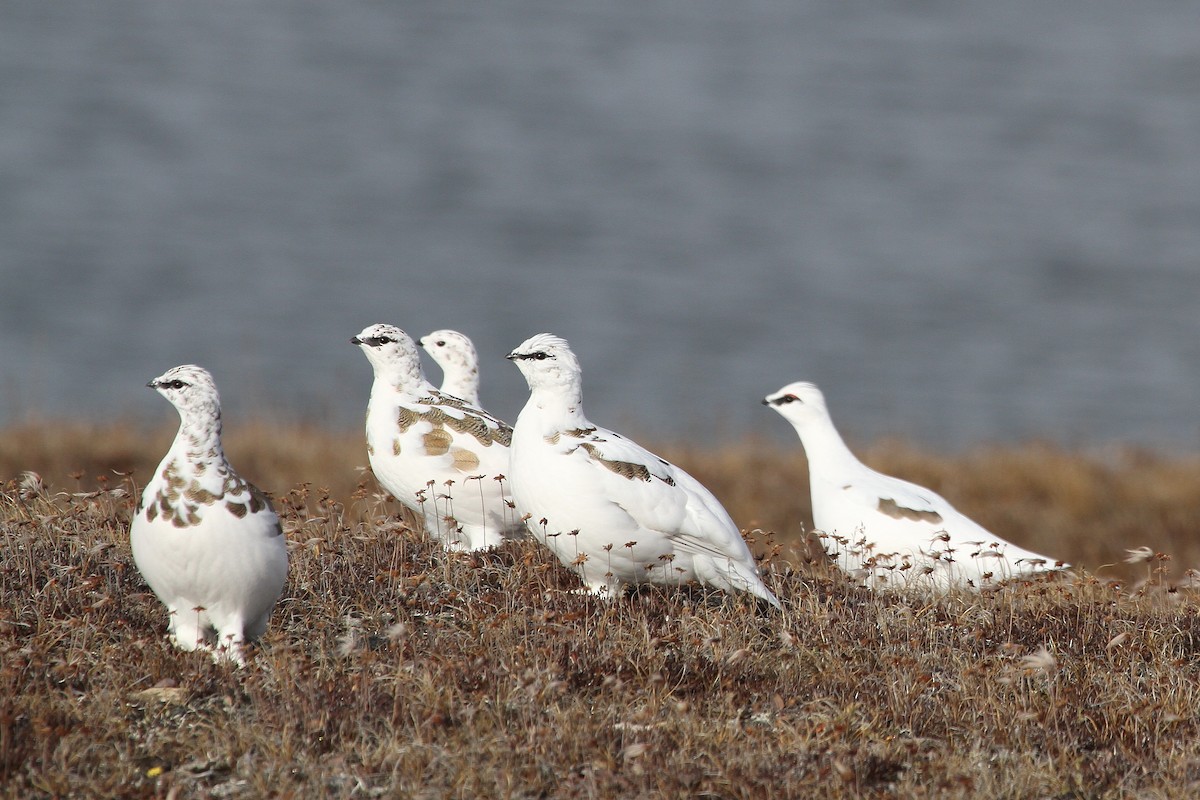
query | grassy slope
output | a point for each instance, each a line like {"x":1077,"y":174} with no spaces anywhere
{"x":392,"y":669}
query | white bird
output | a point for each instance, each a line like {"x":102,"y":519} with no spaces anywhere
{"x":610,"y":510}
{"x":207,"y":542}
{"x":455,"y":354}
{"x":885,"y":531}
{"x":437,"y":454}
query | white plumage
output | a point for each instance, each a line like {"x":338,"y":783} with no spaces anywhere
{"x":439,"y":455}
{"x":886,"y":531}
{"x":455,"y":354}
{"x":612,"y":511}
{"x":207,"y":542}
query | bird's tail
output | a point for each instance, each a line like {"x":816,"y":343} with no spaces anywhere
{"x":735,"y":576}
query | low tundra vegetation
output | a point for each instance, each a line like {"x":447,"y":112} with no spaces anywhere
{"x":393,"y":669}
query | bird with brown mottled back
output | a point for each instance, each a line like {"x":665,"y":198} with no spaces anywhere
{"x":612,"y":511}
{"x":207,"y":541}
{"x":443,"y":457}
{"x":887,"y":532}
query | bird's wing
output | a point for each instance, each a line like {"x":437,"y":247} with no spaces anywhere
{"x":898,"y":515}
{"x":245,"y":501}
{"x":656,"y":494}
{"x":475,"y":418}
{"x":456,"y":434}
{"x":906,"y":515}
{"x":898,"y":498}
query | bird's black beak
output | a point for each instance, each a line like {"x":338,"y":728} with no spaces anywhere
{"x":766,"y":401}
{"x":512,"y":356}
{"x":355,"y":340}
{"x":152,"y":384}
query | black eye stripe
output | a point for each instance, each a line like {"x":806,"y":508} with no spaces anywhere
{"x":538,"y":356}
{"x":175,"y":384}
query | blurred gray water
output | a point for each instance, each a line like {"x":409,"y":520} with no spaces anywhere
{"x":968,"y":221}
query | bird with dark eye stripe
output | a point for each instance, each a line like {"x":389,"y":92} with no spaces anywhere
{"x":887,"y":532}
{"x":781,"y":400}
{"x":612,"y":511}
{"x":372,"y":341}
{"x":206,"y":540}
{"x":440,"y":455}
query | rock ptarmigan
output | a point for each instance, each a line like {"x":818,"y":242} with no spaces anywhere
{"x":888,"y":532}
{"x":439,"y":455}
{"x":610,"y":510}
{"x":455,"y":354}
{"x":207,"y":542}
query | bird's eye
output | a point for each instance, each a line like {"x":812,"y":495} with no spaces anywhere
{"x":791,"y":398}
{"x":175,"y":384}
{"x":540,"y":356}
{"x":441,"y":343}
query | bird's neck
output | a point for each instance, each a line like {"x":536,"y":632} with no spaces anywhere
{"x":402,"y":382}
{"x":199,"y":440}
{"x":558,"y":408}
{"x":461,"y":371}
{"x":825,"y":448}
{"x":461,"y":381}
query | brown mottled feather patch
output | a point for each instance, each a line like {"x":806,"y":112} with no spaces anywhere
{"x":503,"y":435}
{"x":172,"y":477}
{"x":484,"y":431}
{"x":258,"y":499}
{"x":889,"y":506}
{"x":625,"y":469}
{"x":437,"y":442}
{"x":198,"y":494}
{"x":407,"y":418}
{"x":464,"y":460}
{"x":445,"y":400}
{"x":579,"y":433}
{"x":181,"y":507}
{"x":473,"y":426}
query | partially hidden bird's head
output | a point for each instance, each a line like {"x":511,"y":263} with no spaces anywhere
{"x":392,"y":353}
{"x":799,"y":403}
{"x":546,"y":361}
{"x":190,"y":389}
{"x":450,"y":347}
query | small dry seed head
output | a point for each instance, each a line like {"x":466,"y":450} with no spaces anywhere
{"x":1042,"y":661}
{"x":1138,"y":555}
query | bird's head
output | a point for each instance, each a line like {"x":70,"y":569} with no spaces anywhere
{"x":546,"y":361}
{"x":799,"y":403}
{"x":450,"y":347}
{"x":190,"y":389}
{"x":391,"y":351}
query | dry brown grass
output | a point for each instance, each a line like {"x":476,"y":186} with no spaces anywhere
{"x":392,"y":669}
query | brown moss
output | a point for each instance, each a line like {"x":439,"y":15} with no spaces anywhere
{"x":391,"y":668}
